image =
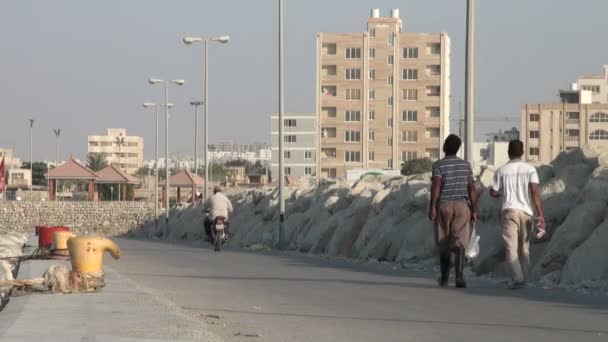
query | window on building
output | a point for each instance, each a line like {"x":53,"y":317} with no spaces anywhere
{"x":290,"y":123}
{"x":307,"y":154}
{"x":599,"y":117}
{"x":410,"y":52}
{"x":391,"y":60}
{"x":132,"y":144}
{"x":433,"y":112}
{"x":389,"y":80}
{"x":534,"y":117}
{"x":389,"y":101}
{"x":389,"y":163}
{"x":352,"y":136}
{"x":409,"y":136}
{"x":433,"y":91}
{"x":389,"y":142}
{"x":308,"y":171}
{"x":433,"y":70}
{"x":534,"y":134}
{"x":371,"y":115}
{"x":290,"y":138}
{"x":372,"y":32}
{"x":410,"y":74}
{"x":372,"y":94}
{"x":353,"y":53}
{"x":329,"y":153}
{"x":353,"y":94}
{"x":410,"y":94}
{"x":329,"y":112}
{"x":434,"y":49}
{"x":599,"y":135}
{"x":371,"y":135}
{"x":329,"y":70}
{"x":288,"y":171}
{"x":372,"y":53}
{"x":391,"y":39}
{"x":329,"y":49}
{"x":287,"y":154}
{"x":432,"y":153}
{"x":573,"y":116}
{"x":408,"y":155}
{"x":352,"y":156}
{"x":372,"y":74}
{"x":432,"y":132}
{"x":534,"y":151}
{"x":352,"y":116}
{"x":592,"y":88}
{"x":572,"y":134}
{"x":371,"y":155}
{"x":389,"y":122}
{"x":328,"y":132}
{"x":353,"y":74}
{"x":409,"y":115}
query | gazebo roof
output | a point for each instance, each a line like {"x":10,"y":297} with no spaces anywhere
{"x":184,"y":179}
{"x":71,"y":169}
{"x":113,"y":175}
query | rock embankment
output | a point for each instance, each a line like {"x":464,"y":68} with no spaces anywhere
{"x":386,"y":219}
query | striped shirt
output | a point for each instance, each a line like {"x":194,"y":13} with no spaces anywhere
{"x":455,"y":175}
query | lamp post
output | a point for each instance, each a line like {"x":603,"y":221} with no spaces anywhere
{"x":205,"y":40}
{"x":166,"y":83}
{"x":281,"y":129}
{"x":150,"y":105}
{"x":196,"y":104}
{"x":31,"y":161}
{"x":470,"y":80}
{"x":57,"y":132}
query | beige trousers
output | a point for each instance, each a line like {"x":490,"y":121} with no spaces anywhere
{"x":516,"y":233}
{"x":453,"y":229}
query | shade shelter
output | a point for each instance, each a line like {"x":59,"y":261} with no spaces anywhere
{"x":183,"y":179}
{"x":71,"y":170}
{"x":112,"y":175}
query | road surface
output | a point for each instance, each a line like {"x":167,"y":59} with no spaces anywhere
{"x":286,"y":297}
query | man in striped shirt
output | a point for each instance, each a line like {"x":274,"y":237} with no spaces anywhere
{"x":453,"y":206}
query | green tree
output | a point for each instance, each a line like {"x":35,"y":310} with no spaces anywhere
{"x":38,"y":170}
{"x":416,"y":166}
{"x":144,"y":171}
{"x":97,"y":161}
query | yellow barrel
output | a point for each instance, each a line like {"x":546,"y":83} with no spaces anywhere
{"x":87,"y":253}
{"x":60,"y":239}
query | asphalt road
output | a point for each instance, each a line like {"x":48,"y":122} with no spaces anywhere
{"x":285,"y":297}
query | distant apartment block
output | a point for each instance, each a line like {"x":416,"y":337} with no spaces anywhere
{"x":127,"y":152}
{"x":300,"y":137}
{"x":225,"y":151}
{"x":579,"y":118}
{"x":382,"y":96}
{"x":10,"y":161}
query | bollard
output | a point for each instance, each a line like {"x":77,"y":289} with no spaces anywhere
{"x":45,"y":235}
{"x":60,"y":243}
{"x":87,"y":253}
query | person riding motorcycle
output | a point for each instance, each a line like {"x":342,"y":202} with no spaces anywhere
{"x":218,"y":205}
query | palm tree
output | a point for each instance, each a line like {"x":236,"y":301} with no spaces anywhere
{"x":97,"y":161}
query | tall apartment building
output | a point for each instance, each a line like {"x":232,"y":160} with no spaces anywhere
{"x":382,"y":96}
{"x":579,"y":118}
{"x":120,"y":149}
{"x":300,"y":149}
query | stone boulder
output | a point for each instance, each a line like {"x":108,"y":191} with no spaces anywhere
{"x":588,"y":262}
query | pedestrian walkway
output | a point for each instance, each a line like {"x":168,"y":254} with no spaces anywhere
{"x":122,"y":311}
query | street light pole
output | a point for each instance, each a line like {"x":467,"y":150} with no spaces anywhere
{"x":167,"y":185}
{"x":205,"y":40}
{"x":470,"y":80}
{"x":31,"y":161}
{"x":281,"y":131}
{"x":57,"y":133}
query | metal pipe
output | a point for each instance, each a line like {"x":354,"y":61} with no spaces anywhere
{"x":31,"y":161}
{"x":206,"y":119}
{"x":167,"y":185}
{"x":156,"y":169}
{"x":470,"y":80}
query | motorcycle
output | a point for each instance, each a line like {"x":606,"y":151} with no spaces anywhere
{"x":218,"y":231}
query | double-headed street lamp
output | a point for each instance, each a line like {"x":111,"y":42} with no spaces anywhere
{"x":166,"y":83}
{"x":150,"y":105}
{"x":205,"y":40}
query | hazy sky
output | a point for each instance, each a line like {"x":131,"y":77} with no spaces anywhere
{"x":82,"y":66}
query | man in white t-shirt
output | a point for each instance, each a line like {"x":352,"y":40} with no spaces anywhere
{"x":518,"y":185}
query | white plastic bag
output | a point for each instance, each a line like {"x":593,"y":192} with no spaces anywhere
{"x":473,"y":248}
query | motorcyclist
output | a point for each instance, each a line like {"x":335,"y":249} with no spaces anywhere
{"x":217,"y":205}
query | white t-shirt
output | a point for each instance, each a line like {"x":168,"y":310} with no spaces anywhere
{"x":513,"y":182}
